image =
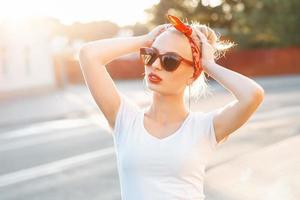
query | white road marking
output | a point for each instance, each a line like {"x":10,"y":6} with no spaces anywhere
{"x":53,"y":167}
{"x":58,"y":135}
{"x":46,"y":127}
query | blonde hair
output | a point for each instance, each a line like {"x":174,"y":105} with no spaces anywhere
{"x":220,"y":46}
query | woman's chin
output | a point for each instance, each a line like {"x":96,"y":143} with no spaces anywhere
{"x":152,"y":87}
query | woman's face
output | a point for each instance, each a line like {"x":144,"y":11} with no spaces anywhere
{"x":173,"y":83}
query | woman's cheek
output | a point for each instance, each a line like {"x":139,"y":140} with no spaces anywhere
{"x":176,"y":83}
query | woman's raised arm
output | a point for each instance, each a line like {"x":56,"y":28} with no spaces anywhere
{"x":93,"y":57}
{"x":249,"y":95}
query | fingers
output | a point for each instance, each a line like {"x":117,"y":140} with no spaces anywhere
{"x":207,"y":49}
{"x":159,"y":30}
{"x":201,"y":36}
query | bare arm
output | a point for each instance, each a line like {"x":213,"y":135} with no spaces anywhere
{"x":93,"y":57}
{"x":249,"y":95}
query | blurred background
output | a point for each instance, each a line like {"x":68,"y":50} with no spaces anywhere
{"x":56,"y":144}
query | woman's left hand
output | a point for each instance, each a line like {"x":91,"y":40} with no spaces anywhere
{"x":208,"y":51}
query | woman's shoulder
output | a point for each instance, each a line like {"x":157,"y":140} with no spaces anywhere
{"x":202,"y":114}
{"x":199,"y":114}
{"x":129,"y":104}
{"x":127,"y":114}
{"x":203,"y":124}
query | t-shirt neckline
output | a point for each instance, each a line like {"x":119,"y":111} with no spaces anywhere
{"x":174,"y":134}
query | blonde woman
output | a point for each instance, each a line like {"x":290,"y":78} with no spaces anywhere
{"x":162,"y":151}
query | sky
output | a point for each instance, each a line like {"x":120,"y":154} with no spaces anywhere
{"x":121,"y":12}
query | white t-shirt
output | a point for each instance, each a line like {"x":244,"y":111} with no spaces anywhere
{"x":171,"y":168}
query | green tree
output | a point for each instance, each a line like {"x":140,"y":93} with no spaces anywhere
{"x":250,"y":23}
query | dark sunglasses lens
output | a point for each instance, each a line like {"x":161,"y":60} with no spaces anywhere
{"x":148,"y":56}
{"x":170,"y":62}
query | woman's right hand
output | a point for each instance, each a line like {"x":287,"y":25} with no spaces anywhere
{"x":150,"y":37}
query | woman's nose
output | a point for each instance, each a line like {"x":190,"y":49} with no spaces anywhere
{"x":157,"y":64}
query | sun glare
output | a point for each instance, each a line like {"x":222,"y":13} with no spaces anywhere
{"x":68,"y":12}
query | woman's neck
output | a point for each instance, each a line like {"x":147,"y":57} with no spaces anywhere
{"x":167,"y":109}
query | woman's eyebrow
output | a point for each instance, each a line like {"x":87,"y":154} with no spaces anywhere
{"x":155,"y":49}
{"x":159,"y":52}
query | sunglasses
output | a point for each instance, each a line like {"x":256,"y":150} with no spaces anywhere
{"x":169,"y":60}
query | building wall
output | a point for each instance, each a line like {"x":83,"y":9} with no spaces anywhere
{"x":264,"y":62}
{"x":25,"y":60}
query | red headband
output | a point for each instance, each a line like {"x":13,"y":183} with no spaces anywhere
{"x":187,"y":31}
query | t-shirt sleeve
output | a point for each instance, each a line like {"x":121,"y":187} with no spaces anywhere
{"x":125,"y":118}
{"x":208,"y":128}
{"x":210,"y":133}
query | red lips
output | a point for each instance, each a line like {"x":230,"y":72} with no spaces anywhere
{"x":154,"y":78}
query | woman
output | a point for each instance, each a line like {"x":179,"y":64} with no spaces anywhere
{"x":162,"y":150}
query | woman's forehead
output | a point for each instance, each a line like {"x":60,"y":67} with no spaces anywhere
{"x":173,"y":41}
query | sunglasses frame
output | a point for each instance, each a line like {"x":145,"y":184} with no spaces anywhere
{"x":157,"y":55}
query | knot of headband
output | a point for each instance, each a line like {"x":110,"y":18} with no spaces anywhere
{"x":187,"y":31}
